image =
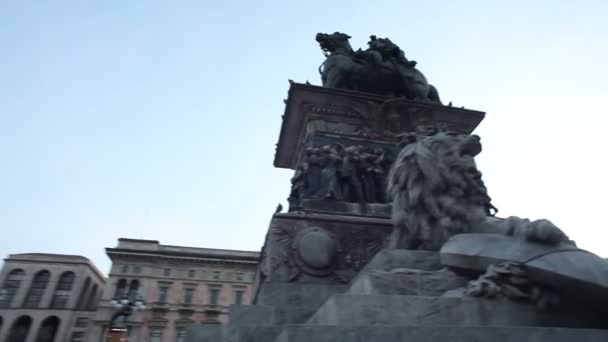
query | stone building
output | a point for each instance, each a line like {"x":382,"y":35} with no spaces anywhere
{"x":48,"y":297}
{"x":180,"y":286}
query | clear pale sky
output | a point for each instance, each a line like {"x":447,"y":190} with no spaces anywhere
{"x":158,"y":119}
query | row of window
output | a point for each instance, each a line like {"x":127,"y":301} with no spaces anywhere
{"x":213,"y":295}
{"x":129,"y":289}
{"x":216,"y":275}
{"x":38,"y":286}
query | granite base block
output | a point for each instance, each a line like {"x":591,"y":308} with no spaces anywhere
{"x":387,"y":259}
{"x":295,"y":302}
{"x":248,"y":317}
{"x":344,"y":309}
{"x":378,"y":333}
{"x":406,"y":281}
{"x":252,"y":333}
{"x":251,"y":314}
{"x":204,"y":333}
{"x":395,"y":271}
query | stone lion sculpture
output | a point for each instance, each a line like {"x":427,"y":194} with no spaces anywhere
{"x":437,"y":192}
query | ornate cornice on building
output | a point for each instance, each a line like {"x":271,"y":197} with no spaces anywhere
{"x":118,"y":255}
{"x":152,"y":251}
{"x":153,"y":245}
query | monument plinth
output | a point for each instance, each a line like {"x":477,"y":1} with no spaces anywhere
{"x":390,"y":233}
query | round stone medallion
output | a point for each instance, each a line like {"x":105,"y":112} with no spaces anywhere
{"x":315,"y":250}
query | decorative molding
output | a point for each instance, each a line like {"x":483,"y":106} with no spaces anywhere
{"x":177,"y":260}
{"x":311,"y":109}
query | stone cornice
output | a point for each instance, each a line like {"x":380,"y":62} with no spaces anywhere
{"x":181,"y":257}
{"x":334,"y":218}
{"x":351,"y":114}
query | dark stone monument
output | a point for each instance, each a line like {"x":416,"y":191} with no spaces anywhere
{"x":391,"y":235}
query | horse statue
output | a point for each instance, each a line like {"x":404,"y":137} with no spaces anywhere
{"x":380,"y":69}
{"x":340,"y":66}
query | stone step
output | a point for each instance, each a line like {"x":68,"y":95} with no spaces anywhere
{"x":251,"y":333}
{"x":252,"y":314}
{"x":235,"y":333}
{"x":379,"y":333}
{"x":262,"y":322}
{"x":271,"y":315}
{"x":345,"y":309}
{"x":251,"y":323}
{"x":295,"y":302}
{"x":253,"y":318}
{"x":204,"y":332}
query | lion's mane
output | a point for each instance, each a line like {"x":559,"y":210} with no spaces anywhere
{"x":436,"y":190}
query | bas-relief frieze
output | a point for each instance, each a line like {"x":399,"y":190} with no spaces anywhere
{"x":341,"y":173}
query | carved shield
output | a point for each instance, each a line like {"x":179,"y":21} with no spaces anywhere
{"x":315,"y":250}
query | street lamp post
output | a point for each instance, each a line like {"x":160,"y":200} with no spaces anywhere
{"x":118,"y":324}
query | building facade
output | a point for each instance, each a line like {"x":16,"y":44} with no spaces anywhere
{"x":48,"y":297}
{"x":180,"y":286}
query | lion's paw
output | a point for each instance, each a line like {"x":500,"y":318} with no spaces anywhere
{"x":545,"y":231}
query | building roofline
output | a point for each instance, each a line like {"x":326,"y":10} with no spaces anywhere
{"x":202,"y":249}
{"x":56,"y":258}
{"x":54,"y":255}
{"x":138,"y":240}
{"x":253,"y":258}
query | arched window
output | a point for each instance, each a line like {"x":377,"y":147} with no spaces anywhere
{"x":10,"y":287}
{"x":48,"y":329}
{"x":92,"y":300}
{"x":34,"y":295}
{"x":63,"y":291}
{"x":20,"y":329}
{"x":133,"y":287}
{"x":82,"y":299}
{"x":121,"y":288}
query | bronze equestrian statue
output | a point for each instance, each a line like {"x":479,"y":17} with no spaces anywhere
{"x":381,"y":69}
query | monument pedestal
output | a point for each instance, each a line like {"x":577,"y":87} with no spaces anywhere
{"x":323,"y":273}
{"x":340,"y":144}
{"x":400,"y":296}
